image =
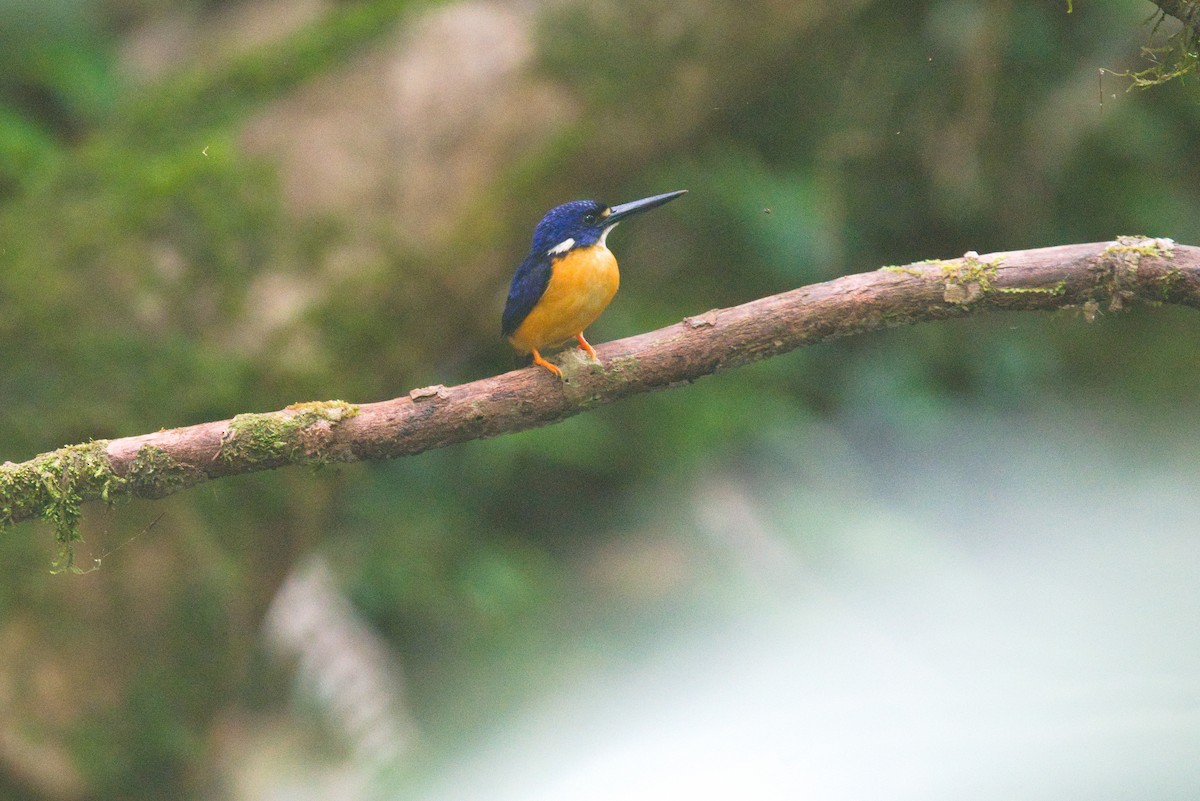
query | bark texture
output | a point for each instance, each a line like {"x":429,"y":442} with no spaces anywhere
{"x":1105,"y":276}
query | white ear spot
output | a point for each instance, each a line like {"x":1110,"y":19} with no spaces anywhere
{"x":561,"y":247}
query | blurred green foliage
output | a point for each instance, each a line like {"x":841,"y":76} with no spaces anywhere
{"x":134,"y":227}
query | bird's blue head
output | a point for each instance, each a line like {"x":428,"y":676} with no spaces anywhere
{"x":583,"y":223}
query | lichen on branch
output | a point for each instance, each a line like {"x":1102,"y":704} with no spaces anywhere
{"x":53,"y":487}
{"x":1178,"y":56}
{"x":1085,"y":277}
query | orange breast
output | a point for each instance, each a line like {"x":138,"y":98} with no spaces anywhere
{"x":582,"y":284}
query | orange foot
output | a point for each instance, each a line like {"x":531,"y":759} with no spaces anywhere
{"x":583,"y":343}
{"x":538,"y":360}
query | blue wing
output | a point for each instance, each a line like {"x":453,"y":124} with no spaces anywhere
{"x":528,"y":285}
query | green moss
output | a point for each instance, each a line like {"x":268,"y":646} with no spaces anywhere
{"x":154,"y":473}
{"x":971,"y":269}
{"x":1170,"y":283}
{"x":1058,"y":289}
{"x":54,"y":486}
{"x":332,"y":410}
{"x":1133,"y":247}
{"x":1119,"y":263}
{"x":622,"y":364}
{"x":968,"y":279}
{"x":907,"y":270}
{"x":1179,"y":57}
{"x":297,"y":435}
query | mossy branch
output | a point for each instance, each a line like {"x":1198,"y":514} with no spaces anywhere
{"x":1179,"y":56}
{"x":1186,"y":11}
{"x":1104,"y":276}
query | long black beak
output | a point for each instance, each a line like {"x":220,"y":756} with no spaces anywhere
{"x":621,"y":212}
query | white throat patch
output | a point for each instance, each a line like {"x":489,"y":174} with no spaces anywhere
{"x":561,"y":247}
{"x":604,"y":235}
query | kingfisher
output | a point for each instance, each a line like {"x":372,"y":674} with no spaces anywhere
{"x":569,"y":277}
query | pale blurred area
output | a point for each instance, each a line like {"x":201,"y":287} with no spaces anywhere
{"x":990,"y":607}
{"x":954,"y":561}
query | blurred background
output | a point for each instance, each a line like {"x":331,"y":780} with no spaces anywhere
{"x":957,"y":560}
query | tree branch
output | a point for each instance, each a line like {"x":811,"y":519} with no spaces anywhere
{"x":1090,"y":277}
{"x":1186,"y":11}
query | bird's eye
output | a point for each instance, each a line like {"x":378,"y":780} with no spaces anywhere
{"x":590,"y":218}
